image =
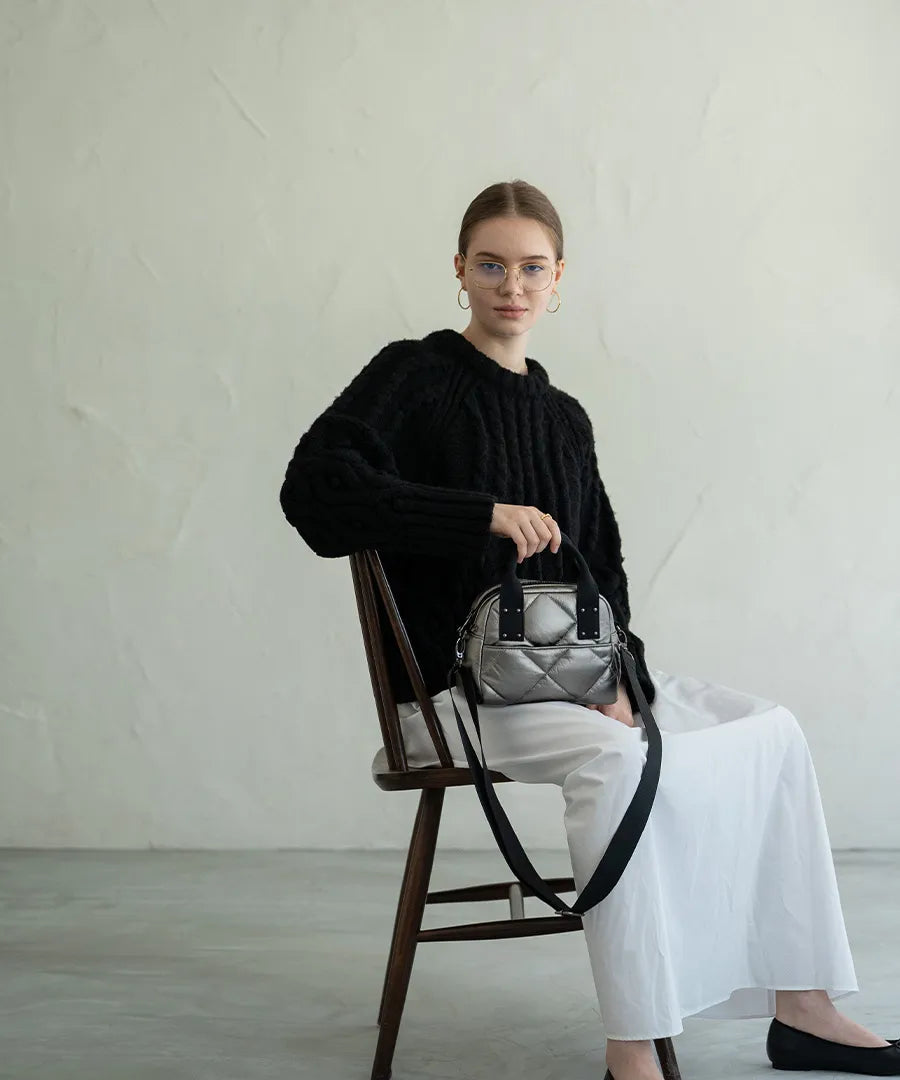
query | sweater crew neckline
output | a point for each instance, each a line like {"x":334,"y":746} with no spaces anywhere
{"x":453,"y":343}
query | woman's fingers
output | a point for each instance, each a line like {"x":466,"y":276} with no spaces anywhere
{"x":541,"y":527}
{"x":530,"y":532}
{"x":519,"y":539}
{"x":614,"y":713}
{"x":544,"y":531}
{"x":527,"y":527}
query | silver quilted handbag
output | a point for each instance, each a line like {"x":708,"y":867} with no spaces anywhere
{"x":525,"y":641}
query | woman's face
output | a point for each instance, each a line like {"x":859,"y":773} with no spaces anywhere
{"x":512,"y":241}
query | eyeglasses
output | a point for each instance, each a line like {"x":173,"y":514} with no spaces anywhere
{"x":491,"y":275}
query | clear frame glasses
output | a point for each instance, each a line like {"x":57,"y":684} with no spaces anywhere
{"x":490,"y":274}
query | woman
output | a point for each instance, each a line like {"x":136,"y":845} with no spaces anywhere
{"x":441,"y":451}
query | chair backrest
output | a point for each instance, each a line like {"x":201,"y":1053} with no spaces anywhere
{"x":373,"y":595}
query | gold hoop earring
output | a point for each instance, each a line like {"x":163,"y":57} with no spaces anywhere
{"x":458,"y":295}
{"x":559,"y":305}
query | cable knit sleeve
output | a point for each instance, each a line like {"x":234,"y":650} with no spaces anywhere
{"x":600,"y":543}
{"x":347,"y":486}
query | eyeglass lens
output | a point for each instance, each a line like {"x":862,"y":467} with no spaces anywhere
{"x":489,"y":275}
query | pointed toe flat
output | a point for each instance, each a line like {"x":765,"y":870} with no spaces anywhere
{"x":790,"y":1048}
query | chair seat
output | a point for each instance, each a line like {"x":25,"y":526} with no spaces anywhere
{"x":429,"y":776}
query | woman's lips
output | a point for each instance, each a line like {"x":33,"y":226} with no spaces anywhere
{"x":511,"y":313}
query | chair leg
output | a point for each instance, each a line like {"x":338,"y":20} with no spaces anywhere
{"x":395,"y":936}
{"x":406,"y":928}
{"x":665,"y":1051}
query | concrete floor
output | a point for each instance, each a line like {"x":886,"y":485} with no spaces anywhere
{"x":231,"y":966}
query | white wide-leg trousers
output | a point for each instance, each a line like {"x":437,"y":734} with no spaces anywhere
{"x":731,"y":892}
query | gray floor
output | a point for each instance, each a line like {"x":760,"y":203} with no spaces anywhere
{"x":231,"y":966}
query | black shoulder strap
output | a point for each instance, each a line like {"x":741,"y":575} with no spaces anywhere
{"x":624,"y":840}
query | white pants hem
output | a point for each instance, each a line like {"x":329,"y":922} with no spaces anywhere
{"x":833,"y":994}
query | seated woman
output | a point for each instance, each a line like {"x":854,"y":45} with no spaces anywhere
{"x":440,"y":452}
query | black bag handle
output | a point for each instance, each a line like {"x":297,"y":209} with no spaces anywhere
{"x":512,"y":609}
{"x":628,"y":832}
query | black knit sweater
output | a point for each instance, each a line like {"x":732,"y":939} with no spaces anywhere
{"x":411,"y":457}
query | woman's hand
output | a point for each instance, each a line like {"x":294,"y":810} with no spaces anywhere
{"x":524,"y":525}
{"x":620,"y":709}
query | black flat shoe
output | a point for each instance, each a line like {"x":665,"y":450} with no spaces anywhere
{"x":790,"y":1048}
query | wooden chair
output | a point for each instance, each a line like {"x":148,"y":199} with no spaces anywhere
{"x":391,"y":772}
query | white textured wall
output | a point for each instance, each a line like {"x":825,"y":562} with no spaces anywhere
{"x":213,"y":213}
